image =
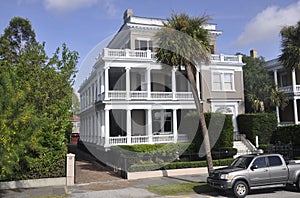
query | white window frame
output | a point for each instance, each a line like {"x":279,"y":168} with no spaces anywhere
{"x":221,"y":74}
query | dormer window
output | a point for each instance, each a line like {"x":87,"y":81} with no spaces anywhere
{"x":143,"y":44}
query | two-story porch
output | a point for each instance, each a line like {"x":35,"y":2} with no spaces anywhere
{"x":287,"y":81}
{"x":129,"y":98}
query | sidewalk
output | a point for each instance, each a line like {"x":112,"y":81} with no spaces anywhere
{"x":96,"y":180}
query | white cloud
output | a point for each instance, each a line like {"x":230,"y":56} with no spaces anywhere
{"x":266,"y":25}
{"x":68,"y":5}
{"x":110,"y":8}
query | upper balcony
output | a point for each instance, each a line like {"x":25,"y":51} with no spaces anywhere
{"x":149,"y":55}
{"x":290,"y":89}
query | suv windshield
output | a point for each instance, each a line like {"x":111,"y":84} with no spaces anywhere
{"x":242,"y":162}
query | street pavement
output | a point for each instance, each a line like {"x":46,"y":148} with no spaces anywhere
{"x":96,"y":180}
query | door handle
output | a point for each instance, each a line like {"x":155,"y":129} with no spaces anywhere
{"x":284,"y":169}
{"x":266,"y":170}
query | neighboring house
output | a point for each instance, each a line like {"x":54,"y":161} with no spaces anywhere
{"x":129,"y":98}
{"x":75,"y":120}
{"x":287,"y":81}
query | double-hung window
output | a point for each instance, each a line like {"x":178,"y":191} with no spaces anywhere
{"x":223,"y":81}
{"x":143,"y":44}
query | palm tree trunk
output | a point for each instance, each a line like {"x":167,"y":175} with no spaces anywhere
{"x":199,"y":107}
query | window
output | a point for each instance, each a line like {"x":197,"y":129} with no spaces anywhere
{"x":283,"y":80}
{"x":143,"y":44}
{"x":260,"y":162}
{"x":274,"y":161}
{"x":222,"y":81}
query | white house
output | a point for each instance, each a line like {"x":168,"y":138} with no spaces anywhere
{"x":129,"y":98}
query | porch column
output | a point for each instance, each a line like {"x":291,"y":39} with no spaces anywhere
{"x":174,"y":82}
{"x":174,"y":121}
{"x":102,"y":127}
{"x":276,"y":85}
{"x":127,"y":83}
{"x":294,"y":80}
{"x":106,"y":143}
{"x":106,"y":83}
{"x":198,"y":81}
{"x":149,"y":125}
{"x":295,"y":111}
{"x":162,"y":120}
{"x":94,"y":128}
{"x":148,"y":83}
{"x":128,"y":126}
{"x":98,"y":120}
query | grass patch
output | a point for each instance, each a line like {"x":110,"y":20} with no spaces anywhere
{"x":181,"y":189}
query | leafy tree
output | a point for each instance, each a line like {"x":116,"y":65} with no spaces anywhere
{"x":259,"y":87}
{"x":36,"y":96}
{"x":290,"y":46}
{"x":75,"y":104}
{"x":183,"y":42}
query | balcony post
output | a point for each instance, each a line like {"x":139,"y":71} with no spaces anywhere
{"x":128,"y":126}
{"x":276,"y":86}
{"x":174,"y":121}
{"x":98,"y":120}
{"x":102,"y":126}
{"x":127,"y":83}
{"x":148,"y":54}
{"x":149,"y":125}
{"x":222,"y":57}
{"x":148,"y":83}
{"x":198,"y":81}
{"x":106,"y":84}
{"x":107,"y":128}
{"x":240,"y":58}
{"x":295,"y":111}
{"x":294,"y":80}
{"x":174,"y":82}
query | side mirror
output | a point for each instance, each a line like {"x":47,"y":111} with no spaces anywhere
{"x":254,"y":167}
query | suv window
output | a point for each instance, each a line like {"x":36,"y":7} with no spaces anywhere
{"x":260,"y":162}
{"x":274,"y":161}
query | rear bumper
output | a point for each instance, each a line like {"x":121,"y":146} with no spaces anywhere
{"x":219,"y":184}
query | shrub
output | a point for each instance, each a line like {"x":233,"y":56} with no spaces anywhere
{"x":287,"y":134}
{"x":177,"y":165}
{"x":257,"y":124}
{"x":220,"y":130}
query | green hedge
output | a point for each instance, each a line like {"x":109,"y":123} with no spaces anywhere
{"x":287,"y":134}
{"x":220,"y":128}
{"x":257,"y":124}
{"x":177,"y":165}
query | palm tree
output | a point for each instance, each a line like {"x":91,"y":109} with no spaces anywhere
{"x":290,"y":46}
{"x":184,"y":42}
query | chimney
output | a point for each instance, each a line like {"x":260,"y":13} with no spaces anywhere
{"x":128,"y":13}
{"x":253,"y":54}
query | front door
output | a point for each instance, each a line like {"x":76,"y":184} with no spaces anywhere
{"x":259,"y":175}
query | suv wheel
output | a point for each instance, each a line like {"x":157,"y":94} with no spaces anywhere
{"x":240,"y":189}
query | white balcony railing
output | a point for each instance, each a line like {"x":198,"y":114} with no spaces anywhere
{"x":127,"y":53}
{"x":147,"y":54}
{"x":143,"y":95}
{"x":117,"y":140}
{"x":146,"y":139}
{"x":289,"y":89}
{"x":139,"y":139}
{"x":138,"y":94}
{"x":117,"y":94}
{"x":163,"y":138}
{"x":184,"y":95}
{"x":161,"y":95}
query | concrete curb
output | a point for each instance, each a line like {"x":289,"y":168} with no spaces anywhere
{"x":33,"y":183}
{"x":167,"y":173}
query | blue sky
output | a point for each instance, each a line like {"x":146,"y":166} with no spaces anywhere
{"x":82,"y":24}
